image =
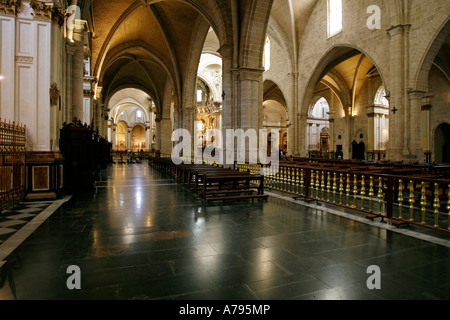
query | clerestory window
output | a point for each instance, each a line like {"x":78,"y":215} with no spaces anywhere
{"x":334,"y":17}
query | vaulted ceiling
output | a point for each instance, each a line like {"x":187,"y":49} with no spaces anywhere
{"x":143,"y":45}
{"x":292,"y":16}
{"x":146,"y":44}
{"x":154,"y":44}
{"x":346,"y":75}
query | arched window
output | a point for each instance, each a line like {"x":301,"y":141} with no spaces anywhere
{"x":380,"y":120}
{"x":380,"y":98}
{"x":199,"y":95}
{"x":317,"y":129}
{"x":320,"y":110}
{"x":334,"y":17}
{"x":267,"y":54}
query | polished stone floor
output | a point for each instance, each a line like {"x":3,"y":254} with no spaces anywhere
{"x":142,"y":236}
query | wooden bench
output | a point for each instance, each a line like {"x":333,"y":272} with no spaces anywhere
{"x":265,"y":196}
{"x":235,"y":183}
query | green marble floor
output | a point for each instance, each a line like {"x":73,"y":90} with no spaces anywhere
{"x":142,"y":236}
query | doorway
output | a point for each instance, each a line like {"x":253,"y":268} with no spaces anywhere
{"x":442,"y":143}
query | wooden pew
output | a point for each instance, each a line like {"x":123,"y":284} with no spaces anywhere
{"x":236,"y":183}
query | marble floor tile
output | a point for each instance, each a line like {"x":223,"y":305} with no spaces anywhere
{"x":142,"y":236}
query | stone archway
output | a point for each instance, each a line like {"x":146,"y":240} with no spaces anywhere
{"x":442,"y":143}
{"x":121,"y":136}
{"x":138,"y":138}
{"x":318,"y":128}
{"x":276,"y":116}
{"x":348,"y":78}
{"x":430,"y":98}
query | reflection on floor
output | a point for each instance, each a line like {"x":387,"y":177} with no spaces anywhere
{"x":143,"y":236}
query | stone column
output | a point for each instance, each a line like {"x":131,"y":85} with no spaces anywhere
{"x":129,"y":138}
{"x":57,"y":113}
{"x":371,"y":129}
{"x":158,"y":134}
{"x":309,"y":135}
{"x":78,"y":75}
{"x":148,"y":137}
{"x":70,"y":51}
{"x":425,"y":117}
{"x":98,"y":119}
{"x":331,"y":121}
{"x":229,"y":96}
{"x":398,"y":145}
{"x":249,"y":105}
{"x":416,"y":124}
{"x":292,"y":130}
{"x":113,"y":136}
{"x":166,"y":136}
{"x":188,"y":116}
{"x":55,"y":95}
{"x":302,"y":120}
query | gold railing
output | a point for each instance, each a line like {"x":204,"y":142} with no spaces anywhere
{"x":409,"y":199}
{"x":12,"y":163}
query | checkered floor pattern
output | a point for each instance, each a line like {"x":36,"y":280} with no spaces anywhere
{"x":14,"y":218}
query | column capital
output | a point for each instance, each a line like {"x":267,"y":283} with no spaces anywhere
{"x":226,"y":51}
{"x":398,"y":29}
{"x":9,"y":7}
{"x":42,"y":9}
{"x":58,"y":16}
{"x":248,"y":73}
{"x":415,"y":93}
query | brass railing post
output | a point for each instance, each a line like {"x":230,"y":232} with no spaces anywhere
{"x":423,"y":202}
{"x":436,"y":205}
{"x":400,"y":199}
{"x":411,"y":201}
{"x":363,"y":191}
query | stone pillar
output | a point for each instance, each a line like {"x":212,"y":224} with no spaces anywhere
{"x":70,"y":51}
{"x":309,"y":136}
{"x":292,"y":132}
{"x":113,"y":136}
{"x":331,"y":120}
{"x":398,"y":145}
{"x":148,"y":138}
{"x":129,"y":138}
{"x":110,"y":127}
{"x":55,"y":96}
{"x":166,"y":136}
{"x":78,"y":76}
{"x":425,"y":117}
{"x":229,"y":96}
{"x":371,"y":129}
{"x":302,"y":120}
{"x":417,"y":125}
{"x":57,"y":90}
{"x":98,"y":119}
{"x":158,"y":134}
{"x":249,"y":111}
{"x":189,"y":116}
